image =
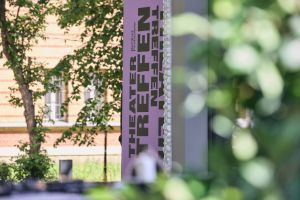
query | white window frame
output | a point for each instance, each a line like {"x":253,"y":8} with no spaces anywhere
{"x":54,"y":101}
{"x":91,"y":92}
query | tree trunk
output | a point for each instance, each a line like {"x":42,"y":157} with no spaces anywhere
{"x":10,"y":53}
{"x":29,"y":114}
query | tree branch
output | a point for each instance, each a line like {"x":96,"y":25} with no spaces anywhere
{"x":17,"y":17}
{"x":4,"y":31}
{"x":6,"y":44}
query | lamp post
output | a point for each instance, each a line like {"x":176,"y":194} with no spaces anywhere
{"x":105,"y":157}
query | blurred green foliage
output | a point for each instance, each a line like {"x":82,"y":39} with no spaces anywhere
{"x":28,"y":166}
{"x":35,"y":166}
{"x":252,"y":51}
{"x":253,"y":91}
{"x":5,"y":172}
{"x":253,"y":74}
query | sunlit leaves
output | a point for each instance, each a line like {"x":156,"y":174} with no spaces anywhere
{"x":244,"y":145}
{"x":242,"y":58}
{"x":294,"y":24}
{"x":182,"y":190}
{"x":264,"y":32}
{"x":226,"y":8}
{"x":219,"y":99}
{"x":270,"y":80}
{"x":194,"y":103}
{"x":222,"y":126}
{"x":258,"y":172}
{"x":189,"y":23}
{"x":221,"y":29}
{"x":267,"y":106}
{"x":195,"y":100}
{"x":289,"y":6}
{"x":232,"y":194}
{"x":254,"y":66}
{"x":289,"y":54}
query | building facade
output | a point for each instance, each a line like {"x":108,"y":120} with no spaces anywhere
{"x":49,"y":51}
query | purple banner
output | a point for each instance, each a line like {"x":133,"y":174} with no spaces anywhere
{"x":143,"y":100}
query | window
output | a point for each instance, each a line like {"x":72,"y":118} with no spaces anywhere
{"x":91,"y":92}
{"x":93,"y":100}
{"x":54,"y":101}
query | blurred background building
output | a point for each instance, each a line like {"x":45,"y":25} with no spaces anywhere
{"x":12,"y":121}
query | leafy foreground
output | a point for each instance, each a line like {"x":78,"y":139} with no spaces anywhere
{"x":169,"y":188}
{"x":247,"y":52}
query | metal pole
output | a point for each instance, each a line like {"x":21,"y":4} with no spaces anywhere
{"x":167,"y":64}
{"x":105,"y":157}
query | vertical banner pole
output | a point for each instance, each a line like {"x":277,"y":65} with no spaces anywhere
{"x":167,"y":64}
